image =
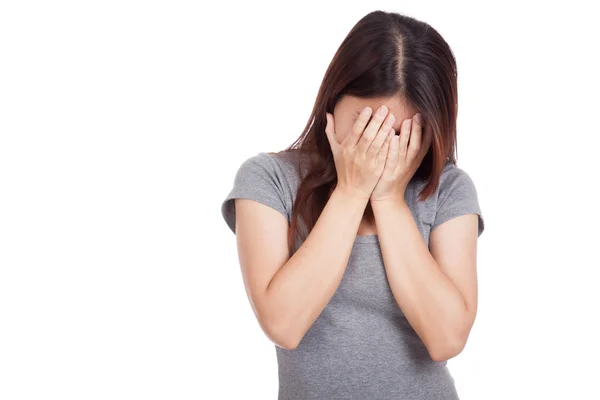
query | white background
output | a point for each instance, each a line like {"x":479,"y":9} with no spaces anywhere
{"x":122,"y":125}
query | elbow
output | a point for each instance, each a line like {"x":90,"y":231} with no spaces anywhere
{"x":451,"y":342}
{"x":283,"y":338}
{"x":281,"y":334}
{"x":287,"y":345}
{"x":278,"y":330}
{"x":446,"y":349}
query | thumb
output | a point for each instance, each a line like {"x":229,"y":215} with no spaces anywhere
{"x":330,"y":132}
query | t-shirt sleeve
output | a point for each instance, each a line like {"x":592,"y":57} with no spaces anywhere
{"x":259,"y":178}
{"x":457,"y":196}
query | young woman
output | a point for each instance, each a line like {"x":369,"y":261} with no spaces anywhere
{"x":358,"y":242}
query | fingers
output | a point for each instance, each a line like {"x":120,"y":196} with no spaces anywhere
{"x":391,"y":156}
{"x":355,"y":134}
{"x":405,"y":132}
{"x":372,"y":129}
{"x":382,"y":135}
{"x":383,"y":152}
{"x":330,"y":132}
{"x":415,"y":138}
{"x":374,"y":138}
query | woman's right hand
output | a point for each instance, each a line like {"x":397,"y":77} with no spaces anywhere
{"x":360,"y":157}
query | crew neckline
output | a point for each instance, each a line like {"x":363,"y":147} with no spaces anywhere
{"x":367,"y":239}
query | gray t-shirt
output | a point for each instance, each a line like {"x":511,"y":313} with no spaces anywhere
{"x":361,"y":346}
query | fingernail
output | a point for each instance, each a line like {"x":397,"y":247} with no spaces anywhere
{"x":419,"y":118}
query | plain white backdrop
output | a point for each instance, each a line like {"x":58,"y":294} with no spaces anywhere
{"x":122,"y":124}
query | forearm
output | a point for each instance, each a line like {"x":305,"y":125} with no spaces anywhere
{"x":304,"y":285}
{"x":431,"y":303}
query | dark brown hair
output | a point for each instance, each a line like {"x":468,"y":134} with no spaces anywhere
{"x":385,"y":54}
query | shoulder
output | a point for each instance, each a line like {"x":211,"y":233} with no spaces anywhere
{"x":454,"y":178}
{"x":280,"y":162}
{"x":286,"y":165}
{"x":278,"y":171}
{"x":288,"y":160}
{"x":260,"y":167}
{"x":271,"y":171}
{"x":265,"y":178}
{"x":451,"y":172}
{"x":258,"y":161}
{"x":456,"y":195}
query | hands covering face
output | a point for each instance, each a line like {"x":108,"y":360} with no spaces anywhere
{"x":372,"y":161}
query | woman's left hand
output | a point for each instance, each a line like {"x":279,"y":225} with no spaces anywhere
{"x":405,"y":154}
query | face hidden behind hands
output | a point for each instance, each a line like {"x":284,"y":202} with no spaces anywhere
{"x":348,"y":108}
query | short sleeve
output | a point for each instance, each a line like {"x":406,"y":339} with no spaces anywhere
{"x":258,"y":178}
{"x":457,"y":196}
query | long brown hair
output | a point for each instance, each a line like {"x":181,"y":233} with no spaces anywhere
{"x":384,"y":54}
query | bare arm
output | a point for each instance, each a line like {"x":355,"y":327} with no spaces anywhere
{"x":437,"y":291}
{"x":288,"y":294}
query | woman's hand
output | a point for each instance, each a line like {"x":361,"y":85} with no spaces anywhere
{"x":360,"y":157}
{"x":406,"y":152}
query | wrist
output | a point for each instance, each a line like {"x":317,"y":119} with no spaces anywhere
{"x":353,"y":194}
{"x":393,"y":200}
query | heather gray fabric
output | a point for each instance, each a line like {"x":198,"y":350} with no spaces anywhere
{"x":361,"y":346}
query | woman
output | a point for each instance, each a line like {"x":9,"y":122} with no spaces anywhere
{"x":358,"y":242}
